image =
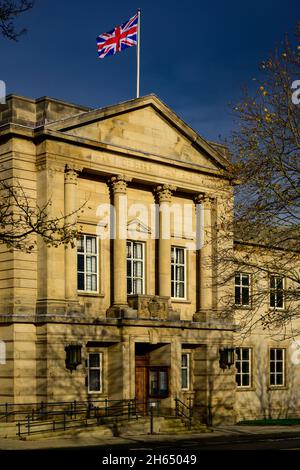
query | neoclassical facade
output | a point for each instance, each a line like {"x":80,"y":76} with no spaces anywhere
{"x":137,"y":294}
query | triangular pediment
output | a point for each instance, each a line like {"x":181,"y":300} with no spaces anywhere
{"x":137,"y":226}
{"x":144,"y":125}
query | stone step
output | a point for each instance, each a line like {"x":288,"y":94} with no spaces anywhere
{"x":161,"y":425}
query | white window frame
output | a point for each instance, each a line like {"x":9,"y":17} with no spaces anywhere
{"x":275,"y":291}
{"x":241,"y":373}
{"x":100,"y":369}
{"x":275,"y":373}
{"x":175,"y":281}
{"x":85,"y":254}
{"x":188,"y":369}
{"x":241,"y":286}
{"x":132,"y":260}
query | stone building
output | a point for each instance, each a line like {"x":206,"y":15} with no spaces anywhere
{"x":136,"y":298}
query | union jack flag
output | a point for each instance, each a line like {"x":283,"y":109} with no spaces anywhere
{"x":119,"y":38}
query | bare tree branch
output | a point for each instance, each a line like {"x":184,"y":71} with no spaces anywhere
{"x":9,"y":11}
{"x":266,"y":156}
{"x":21,"y":220}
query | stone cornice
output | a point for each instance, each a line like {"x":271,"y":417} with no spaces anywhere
{"x":40,"y":135}
{"x":126,"y":323}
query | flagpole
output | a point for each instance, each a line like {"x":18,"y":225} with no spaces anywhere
{"x":138,"y":50}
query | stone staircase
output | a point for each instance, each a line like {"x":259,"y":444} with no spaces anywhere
{"x":161,"y":425}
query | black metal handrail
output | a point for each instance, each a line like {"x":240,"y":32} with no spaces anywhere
{"x":41,"y":410}
{"x":184,"y":411}
{"x":114,"y":410}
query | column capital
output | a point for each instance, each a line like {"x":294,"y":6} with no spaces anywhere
{"x":203,"y":198}
{"x":119,"y":183}
{"x":164,"y":192}
{"x":71,"y":173}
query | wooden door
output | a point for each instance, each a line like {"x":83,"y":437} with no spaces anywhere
{"x":141,"y":382}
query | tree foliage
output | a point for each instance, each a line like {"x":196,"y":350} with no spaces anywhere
{"x":266,"y":156}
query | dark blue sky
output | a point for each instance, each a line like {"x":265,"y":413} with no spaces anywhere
{"x":195,"y":55}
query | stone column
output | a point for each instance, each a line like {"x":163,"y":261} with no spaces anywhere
{"x":164,"y":195}
{"x":205,"y":259}
{"x":119,"y":187}
{"x":71,"y":218}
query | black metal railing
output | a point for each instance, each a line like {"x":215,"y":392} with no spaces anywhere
{"x":79,"y":415}
{"x":10,"y":412}
{"x":184,"y":411}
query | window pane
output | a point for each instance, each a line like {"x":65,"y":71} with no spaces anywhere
{"x":246,"y":380}
{"x":94,"y":380}
{"x":80,"y":244}
{"x":238,"y":353}
{"x":180,"y":256}
{"x":245,"y":353}
{"x":184,"y":360}
{"x":237,"y":296}
{"x":128,"y":250}
{"x":80,"y":281}
{"x":272,"y":299}
{"x":91,"y":264}
{"x":180,"y":273}
{"x":181,"y":291}
{"x":272,"y":282}
{"x":279,"y":354}
{"x":129,"y":268}
{"x":94,"y":360}
{"x":153,"y":383}
{"x":245,"y":296}
{"x":238,"y":380}
{"x":138,"y":269}
{"x":272,"y":354}
{"x":172,"y":289}
{"x":184,"y":378}
{"x":245,"y":367}
{"x":163,"y":381}
{"x":279,"y":302}
{"x":272,"y":366}
{"x":279,"y":379}
{"x":129,"y":286}
{"x":138,"y":286}
{"x":237,"y":279}
{"x":138,"y":251}
{"x":89,"y":282}
{"x":94,"y":282}
{"x":279,"y":282}
{"x":245,"y":280}
{"x":272,"y":379}
{"x":80,"y":263}
{"x":90,"y":245}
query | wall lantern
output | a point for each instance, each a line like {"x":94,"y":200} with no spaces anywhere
{"x":73,"y":356}
{"x":226,"y":357}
